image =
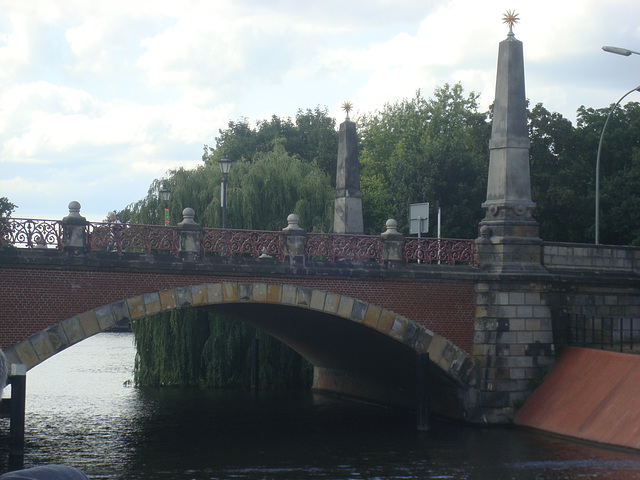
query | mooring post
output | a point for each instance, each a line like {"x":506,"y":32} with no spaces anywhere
{"x":255,"y":365}
{"x":18,"y":380}
{"x":422,"y":387}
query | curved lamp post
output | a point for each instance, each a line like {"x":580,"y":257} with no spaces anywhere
{"x":165,"y":195}
{"x":618,"y":51}
{"x":225,"y":167}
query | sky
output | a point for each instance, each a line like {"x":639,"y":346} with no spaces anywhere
{"x":99,"y":98}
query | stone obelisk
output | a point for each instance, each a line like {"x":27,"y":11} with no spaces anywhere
{"x":347,"y":216}
{"x":509,"y":233}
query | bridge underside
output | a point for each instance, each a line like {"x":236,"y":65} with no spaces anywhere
{"x":350,"y":358}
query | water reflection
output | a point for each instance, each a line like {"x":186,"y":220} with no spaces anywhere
{"x":80,"y":412}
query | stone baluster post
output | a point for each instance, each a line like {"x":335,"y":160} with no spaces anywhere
{"x":392,"y":243}
{"x":295,"y":239}
{"x":189,"y":236}
{"x":74,"y":230}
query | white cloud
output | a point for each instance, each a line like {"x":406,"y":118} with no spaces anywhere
{"x":99,"y":98}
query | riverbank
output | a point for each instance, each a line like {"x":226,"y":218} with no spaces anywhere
{"x":591,"y":395}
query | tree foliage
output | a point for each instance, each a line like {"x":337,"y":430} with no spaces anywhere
{"x":426,"y":150}
{"x":6,"y":207}
{"x":311,"y":136}
{"x":202,"y":349}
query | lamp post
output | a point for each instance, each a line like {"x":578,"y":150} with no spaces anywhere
{"x":165,"y":195}
{"x":225,"y":167}
{"x":618,"y":51}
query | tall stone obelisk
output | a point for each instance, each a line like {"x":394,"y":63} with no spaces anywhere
{"x":347,"y":217}
{"x":509,"y":233}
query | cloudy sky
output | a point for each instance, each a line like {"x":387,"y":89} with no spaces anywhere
{"x":99,"y":98}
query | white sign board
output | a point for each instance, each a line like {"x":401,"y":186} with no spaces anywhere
{"x":419,"y":218}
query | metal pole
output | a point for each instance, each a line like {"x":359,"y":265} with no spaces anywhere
{"x":597,"y":239}
{"x":224,"y":201}
{"x":18,"y":380}
{"x":255,"y":365}
{"x":422,"y":387}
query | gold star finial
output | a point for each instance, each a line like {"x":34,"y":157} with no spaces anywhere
{"x":347,"y":106}
{"x":510,"y":18}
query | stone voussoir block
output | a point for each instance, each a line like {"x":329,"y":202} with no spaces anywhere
{"x":152,"y":303}
{"x":229,"y":292}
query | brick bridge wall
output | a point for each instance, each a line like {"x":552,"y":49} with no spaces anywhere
{"x":31,"y":299}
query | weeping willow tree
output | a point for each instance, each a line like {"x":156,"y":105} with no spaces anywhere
{"x":200,"y":348}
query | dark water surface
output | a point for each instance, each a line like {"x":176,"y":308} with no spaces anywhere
{"x":82,"y":411}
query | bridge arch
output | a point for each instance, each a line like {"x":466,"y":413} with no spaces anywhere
{"x":346,"y":339}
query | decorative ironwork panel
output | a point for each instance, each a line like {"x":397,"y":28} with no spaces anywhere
{"x":117,"y":237}
{"x":28,"y":233}
{"x":242,"y":242}
{"x":351,"y":247}
{"x":443,"y":250}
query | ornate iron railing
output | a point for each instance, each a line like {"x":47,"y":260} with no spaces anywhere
{"x":255,"y":243}
{"x":135,"y":238}
{"x":439,"y":250}
{"x":351,"y":247}
{"x":28,"y":233}
{"x":118,"y":237}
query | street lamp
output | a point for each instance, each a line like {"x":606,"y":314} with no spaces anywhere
{"x":165,"y":195}
{"x":225,"y":167}
{"x":618,"y":51}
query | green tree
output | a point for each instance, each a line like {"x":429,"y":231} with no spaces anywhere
{"x":558,"y":177}
{"x":419,"y":150}
{"x":618,"y":192}
{"x":311,"y":136}
{"x":6,"y":207}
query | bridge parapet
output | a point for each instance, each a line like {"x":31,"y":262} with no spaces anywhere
{"x":573,"y":256}
{"x":191,"y":241}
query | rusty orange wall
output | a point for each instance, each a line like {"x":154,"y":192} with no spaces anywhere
{"x":589,"y":394}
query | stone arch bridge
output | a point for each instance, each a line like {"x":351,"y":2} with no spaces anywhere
{"x":360,"y":308}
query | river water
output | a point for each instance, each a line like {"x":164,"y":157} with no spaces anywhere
{"x":83,"y":411}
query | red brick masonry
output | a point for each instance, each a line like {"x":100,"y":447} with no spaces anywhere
{"x":33,"y":299}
